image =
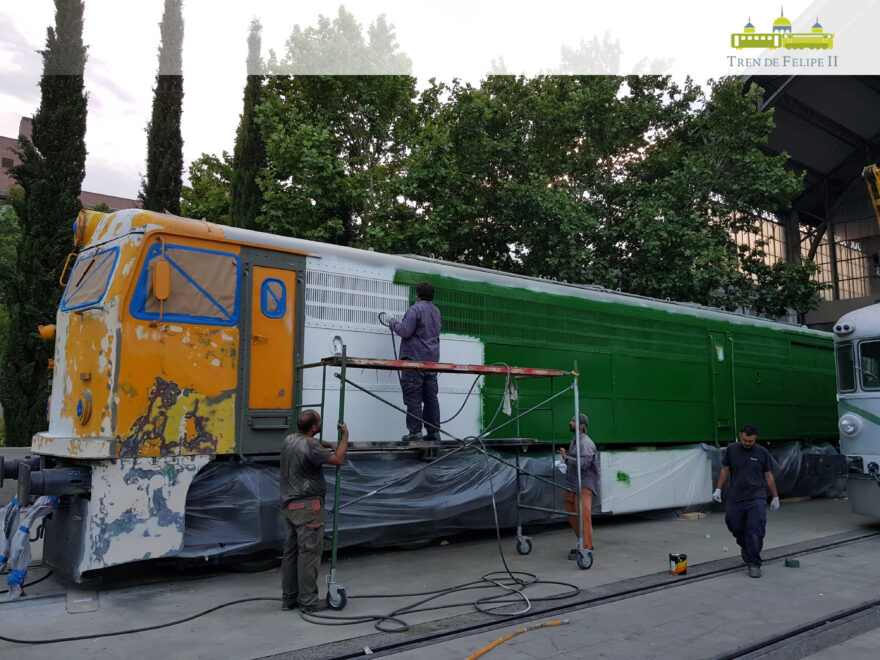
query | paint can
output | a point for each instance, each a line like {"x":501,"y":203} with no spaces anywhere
{"x":678,"y":563}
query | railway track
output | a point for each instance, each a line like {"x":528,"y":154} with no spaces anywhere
{"x":843,"y":623}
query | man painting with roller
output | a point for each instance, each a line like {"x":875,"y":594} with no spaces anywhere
{"x":749,"y":467}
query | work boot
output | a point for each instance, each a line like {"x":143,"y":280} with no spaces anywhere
{"x":573,"y":554}
{"x":287,"y":606}
{"x":433,"y":437}
{"x":320,"y":606}
{"x":754,"y":571}
{"x":411,"y":437}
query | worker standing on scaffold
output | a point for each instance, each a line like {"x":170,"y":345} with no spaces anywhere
{"x":589,"y":468}
{"x":420,"y":341}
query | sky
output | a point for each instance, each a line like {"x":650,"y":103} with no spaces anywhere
{"x":444,"y":39}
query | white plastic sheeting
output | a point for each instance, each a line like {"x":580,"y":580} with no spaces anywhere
{"x":633,"y":481}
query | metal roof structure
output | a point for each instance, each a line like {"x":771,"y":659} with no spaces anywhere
{"x":829,"y":126}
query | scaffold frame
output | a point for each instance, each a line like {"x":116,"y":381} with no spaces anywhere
{"x":336,"y":594}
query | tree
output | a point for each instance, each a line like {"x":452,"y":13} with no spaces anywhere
{"x":51,"y":173}
{"x":673,"y":227}
{"x":336,"y":145}
{"x":160,"y":190}
{"x":10,"y":236}
{"x":249,"y":157}
{"x":207,"y":196}
{"x":509,"y":175}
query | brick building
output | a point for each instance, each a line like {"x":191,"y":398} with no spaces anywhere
{"x":8,"y":158}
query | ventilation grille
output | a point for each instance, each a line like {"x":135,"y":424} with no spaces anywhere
{"x":337,"y":298}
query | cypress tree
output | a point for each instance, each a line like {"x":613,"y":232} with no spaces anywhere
{"x":160,"y":190}
{"x":51,"y":174}
{"x":249,"y":157}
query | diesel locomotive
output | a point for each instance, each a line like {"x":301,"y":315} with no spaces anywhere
{"x":179,"y":344}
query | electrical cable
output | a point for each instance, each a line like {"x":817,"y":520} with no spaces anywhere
{"x":511,"y":583}
{"x":129,"y":631}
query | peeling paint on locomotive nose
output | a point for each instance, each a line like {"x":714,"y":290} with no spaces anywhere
{"x":177,"y":390}
{"x":181,"y":421}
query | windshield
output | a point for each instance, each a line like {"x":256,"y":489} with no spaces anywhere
{"x":846,"y":381}
{"x":89,"y":279}
{"x":870,"y":364}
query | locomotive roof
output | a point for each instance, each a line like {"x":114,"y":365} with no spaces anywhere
{"x":379,"y":261}
{"x":430,"y":265}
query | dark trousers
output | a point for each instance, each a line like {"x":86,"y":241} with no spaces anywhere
{"x":303,"y":546}
{"x":420,"y":399}
{"x":747,"y":521}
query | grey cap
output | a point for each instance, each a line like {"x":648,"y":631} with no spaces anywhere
{"x":583,"y":419}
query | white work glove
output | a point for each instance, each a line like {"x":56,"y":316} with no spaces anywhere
{"x":774,"y":504}
{"x":716,"y":496}
{"x":390,"y":319}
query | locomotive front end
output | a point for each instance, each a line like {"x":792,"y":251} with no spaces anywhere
{"x":857,"y":354}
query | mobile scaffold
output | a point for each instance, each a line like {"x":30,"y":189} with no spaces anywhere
{"x":336,"y":594}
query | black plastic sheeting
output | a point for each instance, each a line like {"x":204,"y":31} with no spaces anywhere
{"x":792,"y":479}
{"x":232,"y":508}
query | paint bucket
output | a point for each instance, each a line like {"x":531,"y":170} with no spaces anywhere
{"x":678,"y":563}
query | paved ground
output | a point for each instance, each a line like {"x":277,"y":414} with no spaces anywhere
{"x":699,"y":619}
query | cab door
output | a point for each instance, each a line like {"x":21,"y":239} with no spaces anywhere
{"x":270,"y":345}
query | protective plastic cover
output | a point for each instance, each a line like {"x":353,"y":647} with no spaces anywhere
{"x":792,"y":479}
{"x":232,"y":508}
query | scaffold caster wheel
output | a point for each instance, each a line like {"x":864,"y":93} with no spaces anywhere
{"x":523,"y":546}
{"x":339,"y":601}
{"x":584,"y":559}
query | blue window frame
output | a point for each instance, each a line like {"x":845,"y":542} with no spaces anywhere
{"x":205,"y":287}
{"x":89,"y":279}
{"x":273,"y":298}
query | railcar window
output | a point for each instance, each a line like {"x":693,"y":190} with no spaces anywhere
{"x":846,"y":380}
{"x":870,"y":364}
{"x":89,"y":279}
{"x":205,"y":287}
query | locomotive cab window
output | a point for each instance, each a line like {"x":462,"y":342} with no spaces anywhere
{"x":196,"y":286}
{"x":846,"y":381}
{"x":869,"y":352}
{"x":89,"y":279}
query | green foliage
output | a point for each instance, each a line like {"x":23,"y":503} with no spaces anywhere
{"x":207,"y":196}
{"x":250,"y":153}
{"x":336,"y":145}
{"x":696,"y":188}
{"x":50,"y":174}
{"x":339,"y":46}
{"x":160,"y":190}
{"x":101,"y":207}
{"x":10,"y":237}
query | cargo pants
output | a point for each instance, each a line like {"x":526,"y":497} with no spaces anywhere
{"x":747,"y":521}
{"x":303,"y":545}
{"x":420,"y":398}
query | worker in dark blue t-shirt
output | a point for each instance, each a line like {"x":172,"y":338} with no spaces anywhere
{"x":749,"y":467}
{"x":420,"y":330}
